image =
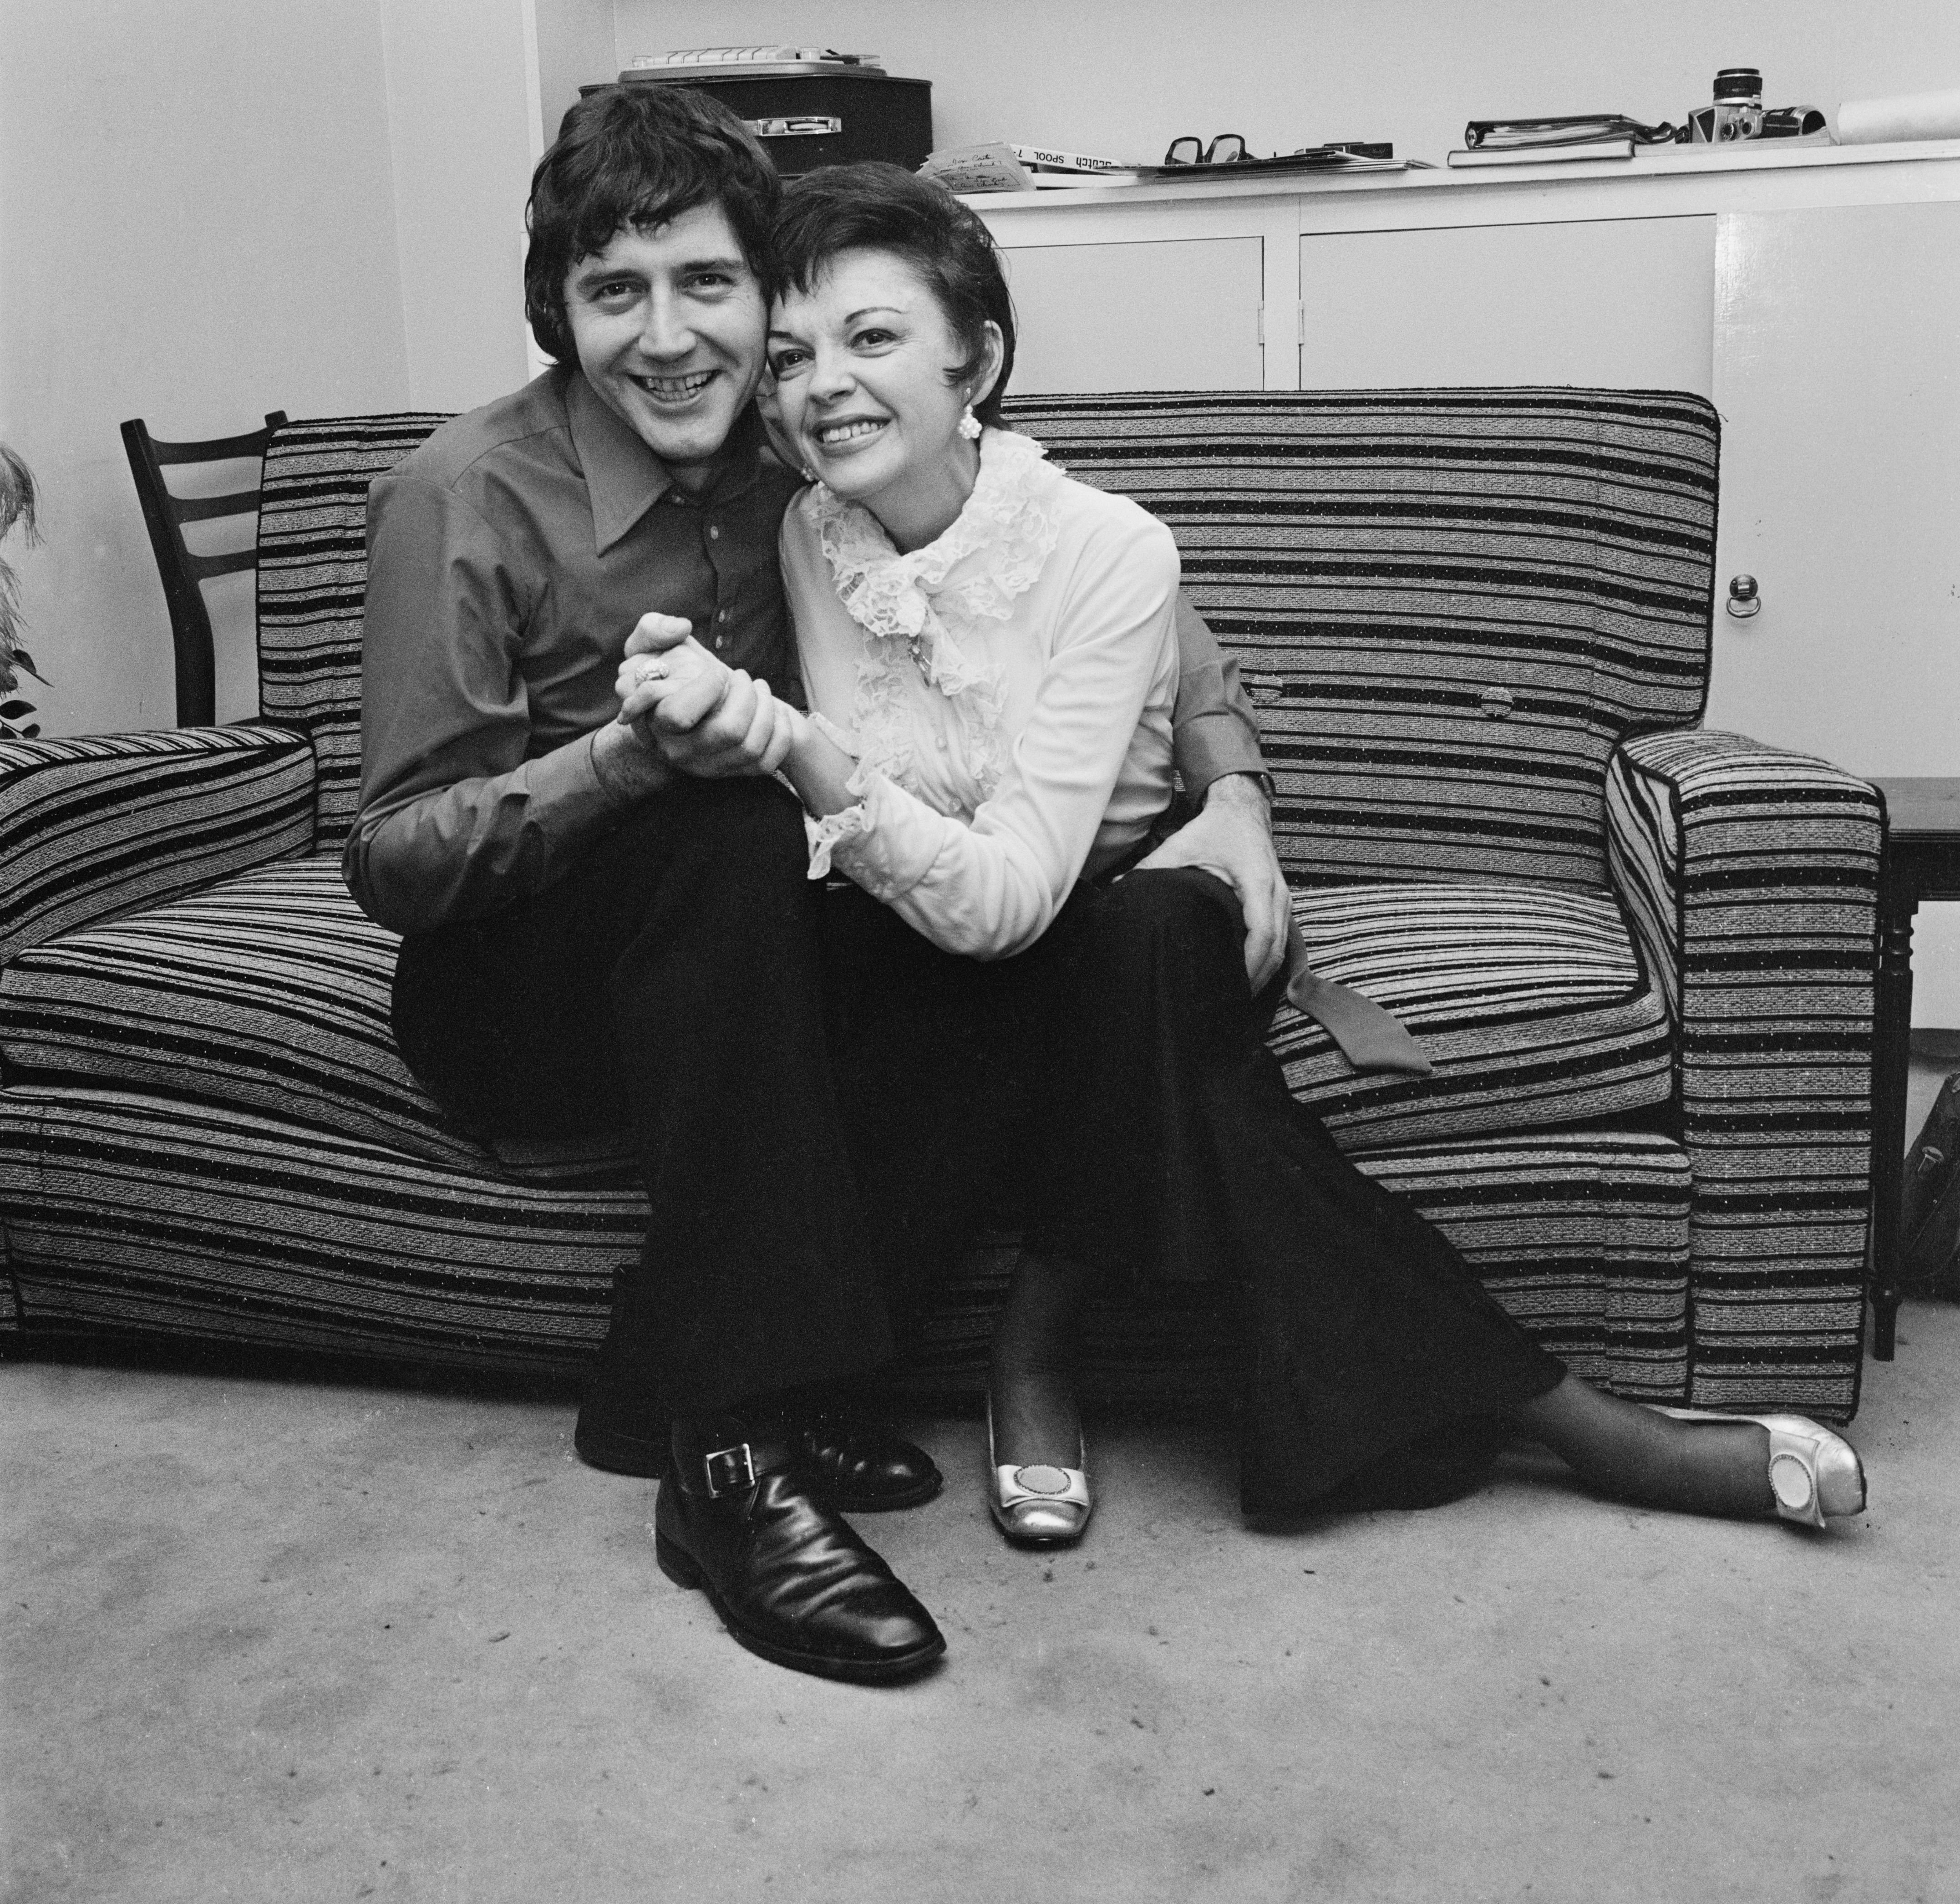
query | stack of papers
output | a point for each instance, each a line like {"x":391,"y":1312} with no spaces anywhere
{"x":999,"y":166}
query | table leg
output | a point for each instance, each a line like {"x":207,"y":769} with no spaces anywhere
{"x":1892,"y":1040}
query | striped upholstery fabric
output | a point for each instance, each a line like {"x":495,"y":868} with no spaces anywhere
{"x":1450,"y":606}
{"x":1752,"y":874}
{"x":269,"y":992}
{"x":92,"y":828}
{"x":1530,"y":1002}
{"x":312,"y":579}
{"x":249,"y":1230}
{"x":1584,"y":1238}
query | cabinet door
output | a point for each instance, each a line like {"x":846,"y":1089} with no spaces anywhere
{"x":1181,"y":315}
{"x":1622,"y":303}
{"x":1837,"y":374}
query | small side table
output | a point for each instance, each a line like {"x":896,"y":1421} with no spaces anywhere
{"x":1922,"y":861}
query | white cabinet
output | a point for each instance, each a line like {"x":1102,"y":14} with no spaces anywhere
{"x":1599,"y":301}
{"x":1814,"y":294}
{"x":1180,"y":314}
{"x":1837,"y":375}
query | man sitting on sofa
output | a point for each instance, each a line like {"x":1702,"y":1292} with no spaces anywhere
{"x":610,"y":927}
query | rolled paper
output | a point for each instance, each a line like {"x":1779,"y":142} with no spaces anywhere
{"x":1906,"y":115}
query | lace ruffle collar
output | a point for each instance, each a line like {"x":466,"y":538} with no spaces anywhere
{"x":1007,"y":528}
{"x":937,"y":601}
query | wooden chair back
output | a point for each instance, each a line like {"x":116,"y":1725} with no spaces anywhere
{"x":183,"y":572}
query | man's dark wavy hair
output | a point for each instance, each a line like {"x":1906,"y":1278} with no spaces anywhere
{"x":636,"y":157}
{"x":874,"y":206}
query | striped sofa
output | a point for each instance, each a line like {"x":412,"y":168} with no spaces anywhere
{"x":1475,"y":624}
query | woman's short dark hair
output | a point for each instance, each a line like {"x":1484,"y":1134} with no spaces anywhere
{"x":637,"y":157}
{"x":874,"y":206}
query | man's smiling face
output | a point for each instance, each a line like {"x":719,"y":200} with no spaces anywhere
{"x":669,"y":326}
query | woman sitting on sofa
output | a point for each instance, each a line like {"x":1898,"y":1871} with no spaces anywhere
{"x":990,"y":666}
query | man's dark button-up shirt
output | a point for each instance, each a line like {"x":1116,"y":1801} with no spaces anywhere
{"x":508,"y":558}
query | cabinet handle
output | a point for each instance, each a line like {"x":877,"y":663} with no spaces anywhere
{"x":1743,"y":600}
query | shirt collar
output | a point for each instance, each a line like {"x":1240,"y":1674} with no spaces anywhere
{"x":624,"y":478}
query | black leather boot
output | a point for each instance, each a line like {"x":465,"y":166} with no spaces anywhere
{"x":738,"y":1517}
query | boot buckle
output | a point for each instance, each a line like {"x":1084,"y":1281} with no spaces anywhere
{"x":728,"y":1470}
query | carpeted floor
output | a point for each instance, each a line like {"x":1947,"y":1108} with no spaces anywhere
{"x":280,"y":1639}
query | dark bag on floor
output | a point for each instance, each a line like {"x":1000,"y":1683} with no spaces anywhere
{"x":1930,"y":1208}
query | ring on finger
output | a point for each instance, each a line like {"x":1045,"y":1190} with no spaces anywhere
{"x":653,"y":671}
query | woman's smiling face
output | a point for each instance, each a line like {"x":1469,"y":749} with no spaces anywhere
{"x":861,"y":362}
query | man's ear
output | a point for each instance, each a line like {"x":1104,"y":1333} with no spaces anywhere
{"x":993,"y":349}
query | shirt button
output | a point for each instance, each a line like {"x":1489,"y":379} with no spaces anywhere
{"x":713,"y":533}
{"x":723,"y":616}
{"x":718,"y":642}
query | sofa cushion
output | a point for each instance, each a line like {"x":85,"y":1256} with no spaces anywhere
{"x":269,"y":992}
{"x":1532,"y":1004}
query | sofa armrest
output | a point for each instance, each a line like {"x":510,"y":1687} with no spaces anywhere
{"x":106,"y":824}
{"x":1752,"y":877}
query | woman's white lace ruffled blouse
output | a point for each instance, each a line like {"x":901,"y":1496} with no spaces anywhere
{"x":929,"y":667}
{"x":923,"y":622}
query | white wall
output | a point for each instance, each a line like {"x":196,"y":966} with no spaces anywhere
{"x":1123,"y":77}
{"x":211,"y":208}
{"x":196,"y":226}
{"x":574,"y":48}
{"x":461,"y":127}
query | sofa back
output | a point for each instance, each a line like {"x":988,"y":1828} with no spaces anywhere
{"x":1448,"y":606}
{"x":312,"y":582}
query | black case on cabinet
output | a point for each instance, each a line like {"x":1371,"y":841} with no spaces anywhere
{"x":882,"y":117}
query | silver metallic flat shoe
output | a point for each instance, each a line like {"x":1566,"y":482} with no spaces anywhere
{"x":1813,"y":1472}
{"x":1038,"y":1505}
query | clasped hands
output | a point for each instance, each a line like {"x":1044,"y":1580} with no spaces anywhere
{"x":693,"y":711}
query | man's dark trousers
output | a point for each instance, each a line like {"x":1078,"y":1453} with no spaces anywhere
{"x":671,"y":982}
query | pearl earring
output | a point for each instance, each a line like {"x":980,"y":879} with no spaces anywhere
{"x":969,"y":425}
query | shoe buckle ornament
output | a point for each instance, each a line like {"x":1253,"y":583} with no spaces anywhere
{"x":1043,"y":1479}
{"x":728,"y":1470}
{"x":1790,"y":1482}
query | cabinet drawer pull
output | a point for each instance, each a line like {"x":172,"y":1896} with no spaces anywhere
{"x":1743,"y":600}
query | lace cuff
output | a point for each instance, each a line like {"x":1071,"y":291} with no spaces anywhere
{"x":876,"y":844}
{"x":832,"y":831}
